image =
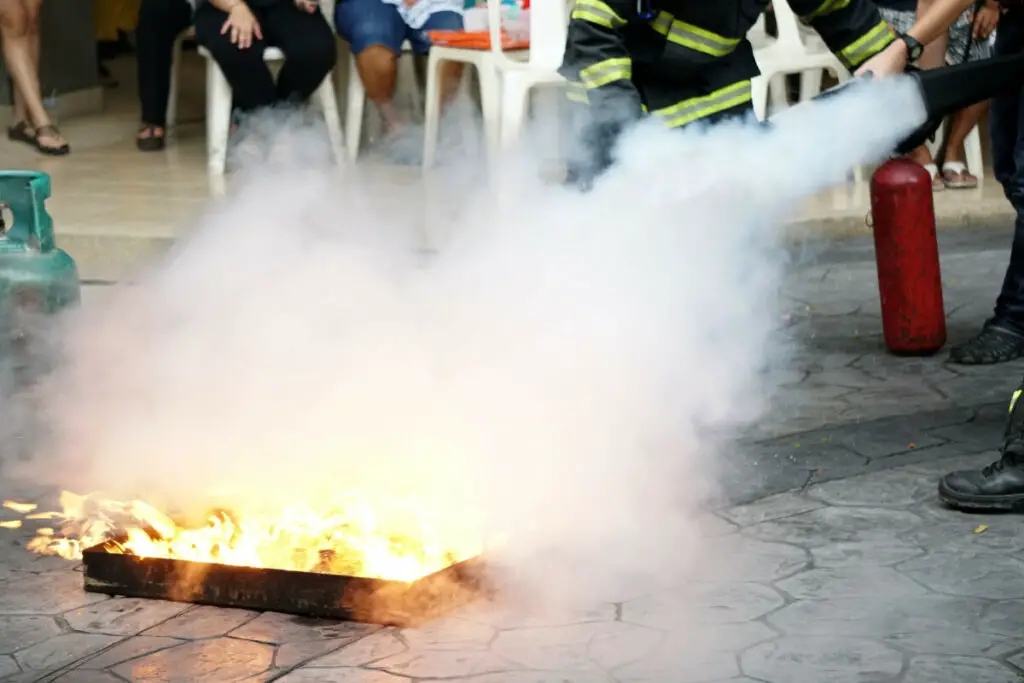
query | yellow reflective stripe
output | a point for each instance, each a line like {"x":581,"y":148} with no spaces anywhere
{"x":1013,"y":401}
{"x":867,"y":45}
{"x":603,"y":73}
{"x":597,"y":12}
{"x":577,"y":92}
{"x":693,"y":37}
{"x":695,"y":108}
{"x":826,"y":7}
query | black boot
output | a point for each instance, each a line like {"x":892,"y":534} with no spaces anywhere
{"x":999,"y":487}
{"x":993,"y":345}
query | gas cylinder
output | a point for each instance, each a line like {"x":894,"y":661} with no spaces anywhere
{"x":34,"y":274}
{"x":907,"y":255}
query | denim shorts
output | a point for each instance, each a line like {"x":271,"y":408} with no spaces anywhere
{"x":373,"y":22}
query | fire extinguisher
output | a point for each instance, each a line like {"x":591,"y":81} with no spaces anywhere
{"x":907,"y":255}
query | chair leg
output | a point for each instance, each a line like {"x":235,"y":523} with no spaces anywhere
{"x":171,"y":115}
{"x":354,"y":111}
{"x":810,"y":83}
{"x":515,"y":100}
{"x":973,"y":154}
{"x":432,"y":110}
{"x":218,"y":117}
{"x":490,"y":104}
{"x":759,"y":95}
{"x":329,"y":108}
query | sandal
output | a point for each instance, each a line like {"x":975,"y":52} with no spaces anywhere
{"x":50,"y":130}
{"x":937,"y":183}
{"x":22,"y":132}
{"x":148,"y":140}
{"x":956,"y":176}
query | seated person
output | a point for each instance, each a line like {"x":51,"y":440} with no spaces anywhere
{"x":376,"y":30}
{"x":237,"y":31}
{"x":160,"y":24}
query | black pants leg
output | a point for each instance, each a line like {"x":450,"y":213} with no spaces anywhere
{"x":251,"y":82}
{"x":309,"y":48}
{"x":160,"y":23}
{"x":1006,"y":127}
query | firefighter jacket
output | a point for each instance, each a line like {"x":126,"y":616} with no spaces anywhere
{"x":689,"y":60}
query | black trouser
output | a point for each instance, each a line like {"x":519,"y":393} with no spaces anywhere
{"x":1006,"y":127}
{"x":305,"y":39}
{"x":160,"y":23}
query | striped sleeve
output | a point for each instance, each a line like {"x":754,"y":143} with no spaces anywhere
{"x":597,"y":64}
{"x":853,"y":29}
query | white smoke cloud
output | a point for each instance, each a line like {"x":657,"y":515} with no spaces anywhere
{"x":565,"y":371}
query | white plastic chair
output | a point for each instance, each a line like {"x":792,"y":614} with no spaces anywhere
{"x":505,"y":82}
{"x":218,"y":104}
{"x":356,"y":100}
{"x":972,"y":150}
{"x":795,"y":50}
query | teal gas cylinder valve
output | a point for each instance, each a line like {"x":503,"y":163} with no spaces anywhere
{"x":34,"y":273}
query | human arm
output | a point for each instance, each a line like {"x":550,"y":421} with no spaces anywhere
{"x":929,"y":26}
{"x":596,"y":61}
{"x":853,"y":29}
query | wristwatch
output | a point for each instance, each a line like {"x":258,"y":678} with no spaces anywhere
{"x":914,"y":47}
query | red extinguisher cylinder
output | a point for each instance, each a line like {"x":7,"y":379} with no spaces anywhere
{"x":907,"y":255}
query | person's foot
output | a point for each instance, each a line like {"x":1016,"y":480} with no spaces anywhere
{"x":992,"y":345}
{"x":998,"y":487}
{"x":956,"y":176}
{"x":151,"y":138}
{"x":49,"y":141}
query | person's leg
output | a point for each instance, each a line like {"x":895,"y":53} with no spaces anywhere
{"x":19,"y":39}
{"x":252,"y":85}
{"x":1002,"y":338}
{"x":309,"y":49}
{"x":901,"y":21}
{"x":159,"y":24}
{"x":375,"y":31}
{"x":451,"y":72}
{"x":954,"y":171}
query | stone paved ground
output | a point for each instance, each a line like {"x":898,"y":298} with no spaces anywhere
{"x":837,"y":566}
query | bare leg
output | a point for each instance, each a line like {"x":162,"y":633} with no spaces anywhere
{"x":451,"y":75}
{"x":378,"y":69}
{"x":963,"y":123}
{"x":19,"y":31}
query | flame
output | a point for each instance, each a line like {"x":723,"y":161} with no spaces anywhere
{"x":350,"y":537}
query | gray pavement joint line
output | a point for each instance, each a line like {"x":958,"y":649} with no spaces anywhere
{"x":285,"y":671}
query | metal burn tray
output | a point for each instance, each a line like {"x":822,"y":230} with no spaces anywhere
{"x":330,"y":596}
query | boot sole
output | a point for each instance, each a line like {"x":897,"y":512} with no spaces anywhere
{"x":972,"y":503}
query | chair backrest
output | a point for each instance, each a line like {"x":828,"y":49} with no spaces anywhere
{"x":549,"y":23}
{"x":788,"y":25}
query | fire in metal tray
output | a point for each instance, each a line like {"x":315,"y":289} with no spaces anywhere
{"x":350,"y":560}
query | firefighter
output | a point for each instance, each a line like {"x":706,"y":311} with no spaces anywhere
{"x":683,"y":61}
{"x":999,"y":486}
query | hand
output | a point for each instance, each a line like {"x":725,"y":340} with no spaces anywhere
{"x":985,"y":21}
{"x":889,"y":62}
{"x":242,"y":25}
{"x":307,"y":6}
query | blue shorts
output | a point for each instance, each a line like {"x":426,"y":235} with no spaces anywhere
{"x":372,"y":22}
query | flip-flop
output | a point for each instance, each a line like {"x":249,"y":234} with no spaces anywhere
{"x":937,"y":183}
{"x":22,"y":132}
{"x":152,"y":142}
{"x":50,"y":130}
{"x":956,"y":176}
